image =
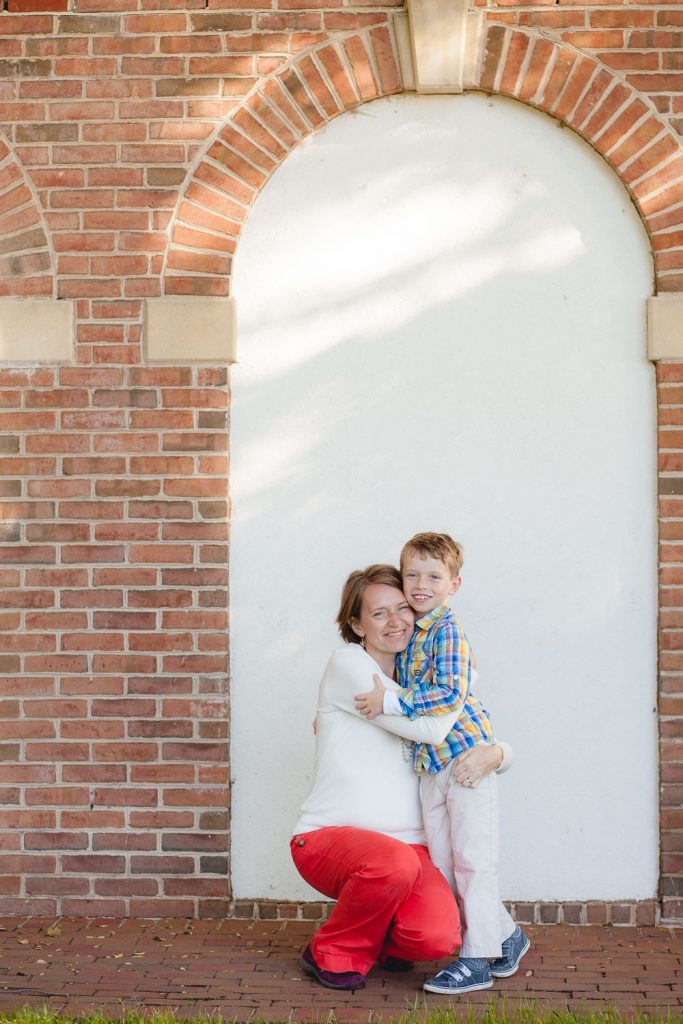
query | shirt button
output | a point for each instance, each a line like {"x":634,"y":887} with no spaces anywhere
{"x":301,"y":842}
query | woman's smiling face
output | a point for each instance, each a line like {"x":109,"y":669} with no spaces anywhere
{"x":386,"y":620}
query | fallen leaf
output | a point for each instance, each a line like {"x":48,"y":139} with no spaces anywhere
{"x":529,"y":973}
{"x":54,"y":932}
{"x":118,"y":956}
{"x":41,"y":961}
{"x":23,"y":942}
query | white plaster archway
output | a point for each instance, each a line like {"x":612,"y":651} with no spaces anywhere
{"x":441,"y":305}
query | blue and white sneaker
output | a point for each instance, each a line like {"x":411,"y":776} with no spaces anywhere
{"x":514,"y":948}
{"x":464,"y":975}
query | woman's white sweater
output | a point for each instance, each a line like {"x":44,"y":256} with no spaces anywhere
{"x":363,"y":775}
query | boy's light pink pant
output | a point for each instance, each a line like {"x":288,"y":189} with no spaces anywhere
{"x":462,"y":831}
{"x":391,"y":900}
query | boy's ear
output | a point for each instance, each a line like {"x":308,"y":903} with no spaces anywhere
{"x":455,"y":585}
{"x":355,"y":626}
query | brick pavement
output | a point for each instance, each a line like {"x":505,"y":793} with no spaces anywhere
{"x":248,"y":969}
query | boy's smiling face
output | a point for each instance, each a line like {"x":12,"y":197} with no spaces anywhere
{"x":427,"y":583}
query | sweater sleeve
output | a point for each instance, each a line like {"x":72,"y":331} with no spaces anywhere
{"x":350,"y":672}
{"x":508,"y":757}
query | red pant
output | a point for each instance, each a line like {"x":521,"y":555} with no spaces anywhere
{"x":391,"y":900}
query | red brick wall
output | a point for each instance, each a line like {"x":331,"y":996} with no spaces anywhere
{"x":135,"y":134}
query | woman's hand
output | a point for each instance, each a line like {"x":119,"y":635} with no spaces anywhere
{"x":371,"y":704}
{"x":475,"y":764}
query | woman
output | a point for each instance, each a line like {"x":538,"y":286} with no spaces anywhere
{"x":359,"y":837}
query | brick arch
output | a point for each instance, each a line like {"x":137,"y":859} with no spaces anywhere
{"x":317,"y":86}
{"x":26,"y":264}
{"x":311,"y":90}
{"x":615,"y":119}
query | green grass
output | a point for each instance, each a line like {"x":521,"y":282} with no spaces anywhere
{"x":529,"y":1013}
{"x":483,"y":1014}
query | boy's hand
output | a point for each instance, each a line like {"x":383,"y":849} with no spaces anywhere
{"x":371,"y":704}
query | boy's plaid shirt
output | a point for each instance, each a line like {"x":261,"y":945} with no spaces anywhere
{"x":435,"y":673}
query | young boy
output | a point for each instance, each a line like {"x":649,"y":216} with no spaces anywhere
{"x":435,"y":674}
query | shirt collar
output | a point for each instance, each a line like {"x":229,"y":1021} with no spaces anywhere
{"x":427,"y":620}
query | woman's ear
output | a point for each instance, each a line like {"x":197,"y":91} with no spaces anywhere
{"x":355,"y":626}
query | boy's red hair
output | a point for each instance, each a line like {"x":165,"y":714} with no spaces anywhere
{"x":435,"y":545}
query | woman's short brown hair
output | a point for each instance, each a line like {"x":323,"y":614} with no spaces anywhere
{"x":352,"y":595}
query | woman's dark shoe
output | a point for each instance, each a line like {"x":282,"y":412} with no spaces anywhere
{"x":345,"y":981}
{"x":397,"y":963}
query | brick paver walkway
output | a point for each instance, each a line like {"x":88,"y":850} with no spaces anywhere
{"x":249,"y":969}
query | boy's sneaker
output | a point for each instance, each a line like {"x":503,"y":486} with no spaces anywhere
{"x":464,"y":975}
{"x":513,"y":950}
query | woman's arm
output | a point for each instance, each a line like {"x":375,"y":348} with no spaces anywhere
{"x":349,"y":672}
{"x":432,"y":729}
